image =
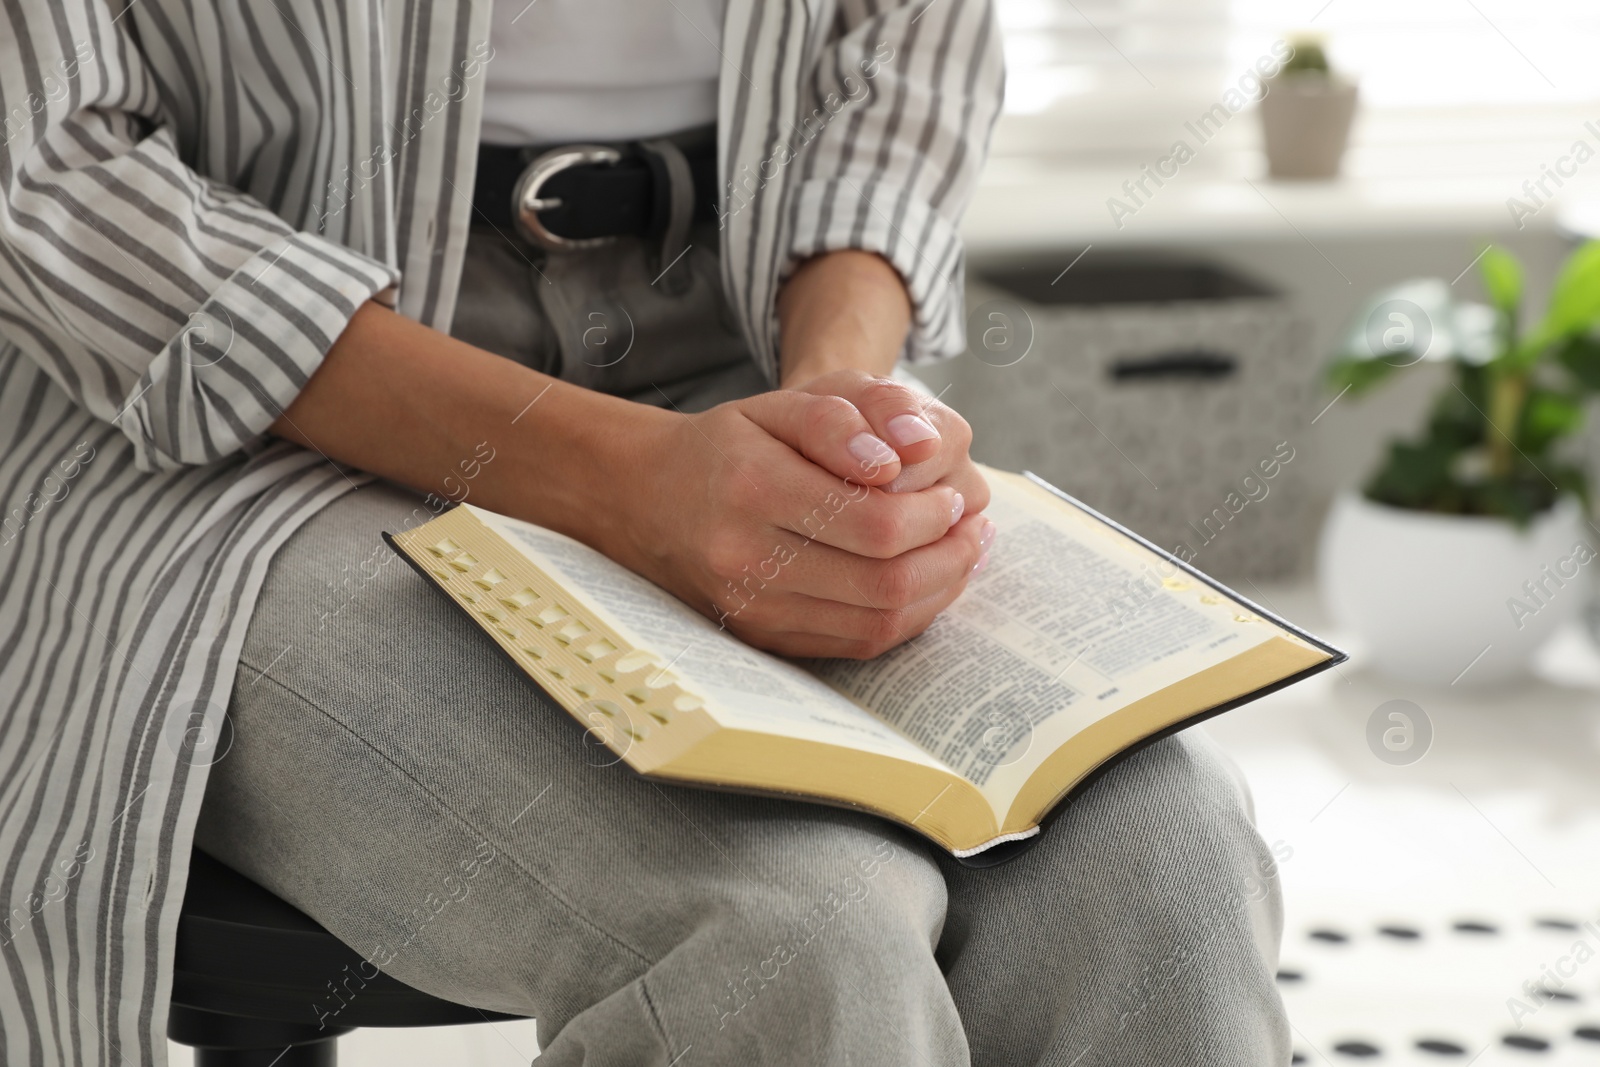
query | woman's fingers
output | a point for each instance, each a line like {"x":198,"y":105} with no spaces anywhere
{"x":896,"y":412}
{"x":892,"y":583}
{"x":829,"y":431}
{"x":932,"y":440}
{"x":810,"y":497}
{"x":806,"y":627}
{"x":761,"y":594}
{"x":870,"y":522}
{"x":775,"y":524}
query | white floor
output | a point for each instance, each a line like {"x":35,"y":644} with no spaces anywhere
{"x":1498,"y":824}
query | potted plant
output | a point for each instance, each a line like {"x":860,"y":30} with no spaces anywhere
{"x":1306,"y":115}
{"x":1470,"y":543}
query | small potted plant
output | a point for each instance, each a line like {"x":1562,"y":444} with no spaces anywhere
{"x":1470,"y":544}
{"x":1306,"y":115}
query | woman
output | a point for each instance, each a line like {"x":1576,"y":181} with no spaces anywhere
{"x":252,"y":251}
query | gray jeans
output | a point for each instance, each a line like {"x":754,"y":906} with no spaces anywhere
{"x":395,"y":779}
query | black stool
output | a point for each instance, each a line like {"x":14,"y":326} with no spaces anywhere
{"x":253,"y":979}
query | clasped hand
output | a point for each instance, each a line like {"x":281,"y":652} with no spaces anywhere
{"x":836,"y":519}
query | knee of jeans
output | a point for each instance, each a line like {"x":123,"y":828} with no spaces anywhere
{"x":832,"y":904}
{"x":1182,"y":811}
{"x":1178,"y":849}
{"x":842,"y":952}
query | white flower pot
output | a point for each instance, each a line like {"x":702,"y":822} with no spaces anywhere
{"x":1305,"y":124}
{"x":1430,"y":596}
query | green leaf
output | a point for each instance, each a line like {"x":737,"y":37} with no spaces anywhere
{"x":1459,"y":415}
{"x":1574,"y":302}
{"x":1508,"y":500}
{"x":1502,"y":279}
{"x":1360,"y":374}
{"x":1548,"y":416}
{"x":1581,"y":357}
{"x":1416,"y":475}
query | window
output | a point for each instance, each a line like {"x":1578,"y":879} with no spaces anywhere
{"x":1117,"y":77}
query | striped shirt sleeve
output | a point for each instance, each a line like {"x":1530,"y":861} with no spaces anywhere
{"x":164,"y":302}
{"x":902,"y":106}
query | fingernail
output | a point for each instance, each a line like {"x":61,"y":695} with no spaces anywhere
{"x":870,"y":449}
{"x":983,"y":561}
{"x":986,"y":536}
{"x":909,"y":429}
{"x":958,"y":507}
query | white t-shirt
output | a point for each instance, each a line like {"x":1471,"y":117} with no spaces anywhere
{"x":600,"y":70}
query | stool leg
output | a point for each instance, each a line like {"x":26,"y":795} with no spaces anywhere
{"x":316,"y":1054}
{"x":222,"y":1040}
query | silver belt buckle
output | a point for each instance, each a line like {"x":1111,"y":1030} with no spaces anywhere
{"x":526,"y":202}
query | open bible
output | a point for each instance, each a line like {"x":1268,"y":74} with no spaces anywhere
{"x":1079,"y":642}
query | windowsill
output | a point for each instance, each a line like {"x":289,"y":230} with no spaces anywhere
{"x":1406,"y":173}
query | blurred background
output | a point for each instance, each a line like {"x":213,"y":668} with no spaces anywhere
{"x":1380,"y":239}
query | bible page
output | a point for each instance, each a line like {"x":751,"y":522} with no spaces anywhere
{"x":744,"y":688}
{"x":1070,"y":621}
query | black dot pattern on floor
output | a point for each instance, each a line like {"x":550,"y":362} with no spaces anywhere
{"x":1440,"y":1047}
{"x":1400,"y":933}
{"x":1361,"y":1050}
{"x":1480,"y":987}
{"x":1298,"y":1057}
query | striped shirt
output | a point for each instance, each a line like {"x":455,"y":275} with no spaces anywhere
{"x":194,"y":199}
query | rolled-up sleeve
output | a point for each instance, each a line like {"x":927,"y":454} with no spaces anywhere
{"x":181,"y":310}
{"x":905,"y":99}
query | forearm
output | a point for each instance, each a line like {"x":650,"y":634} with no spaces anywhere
{"x":691,"y":502}
{"x":844,"y":310}
{"x":412,"y":404}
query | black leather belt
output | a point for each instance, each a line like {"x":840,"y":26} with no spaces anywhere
{"x":579,"y":196}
